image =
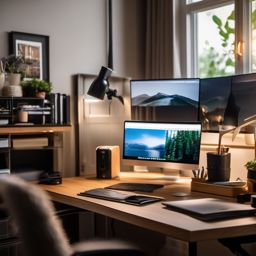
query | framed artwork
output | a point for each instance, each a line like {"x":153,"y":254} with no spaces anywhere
{"x":35,"y":50}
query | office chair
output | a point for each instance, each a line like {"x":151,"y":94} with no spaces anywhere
{"x":39,"y":228}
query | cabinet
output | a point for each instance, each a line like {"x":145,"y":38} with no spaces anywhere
{"x":32,"y":147}
{"x":39,"y":110}
{"x":27,"y":149}
{"x":30,"y":151}
{"x":53,"y":110}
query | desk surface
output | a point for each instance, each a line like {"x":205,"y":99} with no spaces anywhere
{"x":154,"y":216}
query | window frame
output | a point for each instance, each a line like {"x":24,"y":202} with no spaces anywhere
{"x":242,"y":33}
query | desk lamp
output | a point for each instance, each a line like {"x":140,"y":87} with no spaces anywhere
{"x":100,"y":86}
{"x":250,"y":121}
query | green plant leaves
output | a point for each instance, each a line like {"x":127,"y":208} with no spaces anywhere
{"x":217,"y":20}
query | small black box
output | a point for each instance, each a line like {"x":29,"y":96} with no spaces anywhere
{"x":107,"y":162}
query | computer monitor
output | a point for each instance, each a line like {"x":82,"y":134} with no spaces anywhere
{"x":227,"y":101}
{"x":171,"y":100}
{"x":173,"y":146}
{"x":242,"y":103}
{"x":214,"y":98}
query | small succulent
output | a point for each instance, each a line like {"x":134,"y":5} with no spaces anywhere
{"x":251,"y":165}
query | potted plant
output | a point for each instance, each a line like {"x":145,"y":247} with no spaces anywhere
{"x":251,"y":165}
{"x":36,"y":87}
{"x":251,"y":175}
{"x":15,"y":67}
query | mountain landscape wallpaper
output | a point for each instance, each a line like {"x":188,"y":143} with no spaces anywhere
{"x":164,"y":107}
{"x":165,"y":100}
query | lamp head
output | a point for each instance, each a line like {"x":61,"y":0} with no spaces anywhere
{"x":100,"y":86}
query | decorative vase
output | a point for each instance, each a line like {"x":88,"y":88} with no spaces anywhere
{"x":14,"y":79}
{"x":2,"y":82}
{"x":12,"y":91}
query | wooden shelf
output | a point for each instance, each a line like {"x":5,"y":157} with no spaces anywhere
{"x":34,"y":129}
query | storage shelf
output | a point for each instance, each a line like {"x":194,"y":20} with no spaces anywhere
{"x":10,"y":129}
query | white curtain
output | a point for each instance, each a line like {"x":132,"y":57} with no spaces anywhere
{"x":163,"y":52}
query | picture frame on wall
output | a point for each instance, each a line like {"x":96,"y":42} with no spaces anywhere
{"x":35,"y":50}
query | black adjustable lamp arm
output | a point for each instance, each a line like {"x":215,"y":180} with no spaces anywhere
{"x":100,"y":86}
{"x":113,"y":93}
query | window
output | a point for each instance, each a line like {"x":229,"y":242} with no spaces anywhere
{"x":222,"y":39}
{"x":253,"y":35}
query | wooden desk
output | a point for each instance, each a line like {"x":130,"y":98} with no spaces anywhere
{"x":154,"y":216}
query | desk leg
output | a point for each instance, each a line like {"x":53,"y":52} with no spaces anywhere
{"x":192,"y":249}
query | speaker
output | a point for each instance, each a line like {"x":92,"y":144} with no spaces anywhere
{"x":107,"y":162}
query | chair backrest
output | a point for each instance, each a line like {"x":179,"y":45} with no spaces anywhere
{"x":39,"y":230}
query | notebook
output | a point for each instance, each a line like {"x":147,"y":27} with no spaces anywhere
{"x":144,"y":187}
{"x":117,"y":196}
{"x":209,"y":209}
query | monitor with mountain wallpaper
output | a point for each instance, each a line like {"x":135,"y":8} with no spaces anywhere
{"x":171,"y":100}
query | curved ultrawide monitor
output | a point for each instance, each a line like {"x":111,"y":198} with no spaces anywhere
{"x":175,"y":146}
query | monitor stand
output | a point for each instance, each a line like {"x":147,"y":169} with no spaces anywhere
{"x":137,"y":168}
{"x":158,"y":173}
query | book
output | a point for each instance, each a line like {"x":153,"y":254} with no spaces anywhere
{"x":66,"y":109}
{"x":209,"y":209}
{"x":112,"y":195}
{"x":53,"y":102}
{"x":60,"y":108}
{"x":4,"y":142}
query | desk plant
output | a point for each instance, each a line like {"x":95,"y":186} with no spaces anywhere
{"x":36,"y":87}
{"x":15,"y":68}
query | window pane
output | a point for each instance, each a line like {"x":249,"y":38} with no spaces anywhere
{"x":253,"y":35}
{"x":216,"y":37}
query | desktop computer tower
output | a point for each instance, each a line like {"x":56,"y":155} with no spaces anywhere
{"x":107,"y":162}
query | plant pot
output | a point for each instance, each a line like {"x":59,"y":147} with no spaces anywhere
{"x":218,"y":166}
{"x":251,"y":180}
{"x":40,"y":95}
{"x":14,"y":79}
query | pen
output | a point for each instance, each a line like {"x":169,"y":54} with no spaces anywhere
{"x":194,"y":173}
{"x":202,"y":173}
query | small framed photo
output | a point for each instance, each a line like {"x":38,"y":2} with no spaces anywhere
{"x":35,"y":50}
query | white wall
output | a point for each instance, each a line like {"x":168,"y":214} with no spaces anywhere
{"x":77,"y":31}
{"x":78,"y":41}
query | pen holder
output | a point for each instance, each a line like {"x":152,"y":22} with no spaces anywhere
{"x":218,"y":166}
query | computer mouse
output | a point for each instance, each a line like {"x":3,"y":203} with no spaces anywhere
{"x":180,"y":194}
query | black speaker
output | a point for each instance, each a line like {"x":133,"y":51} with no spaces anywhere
{"x":107,"y":162}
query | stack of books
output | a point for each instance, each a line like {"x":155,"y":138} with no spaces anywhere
{"x":60,"y":105}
